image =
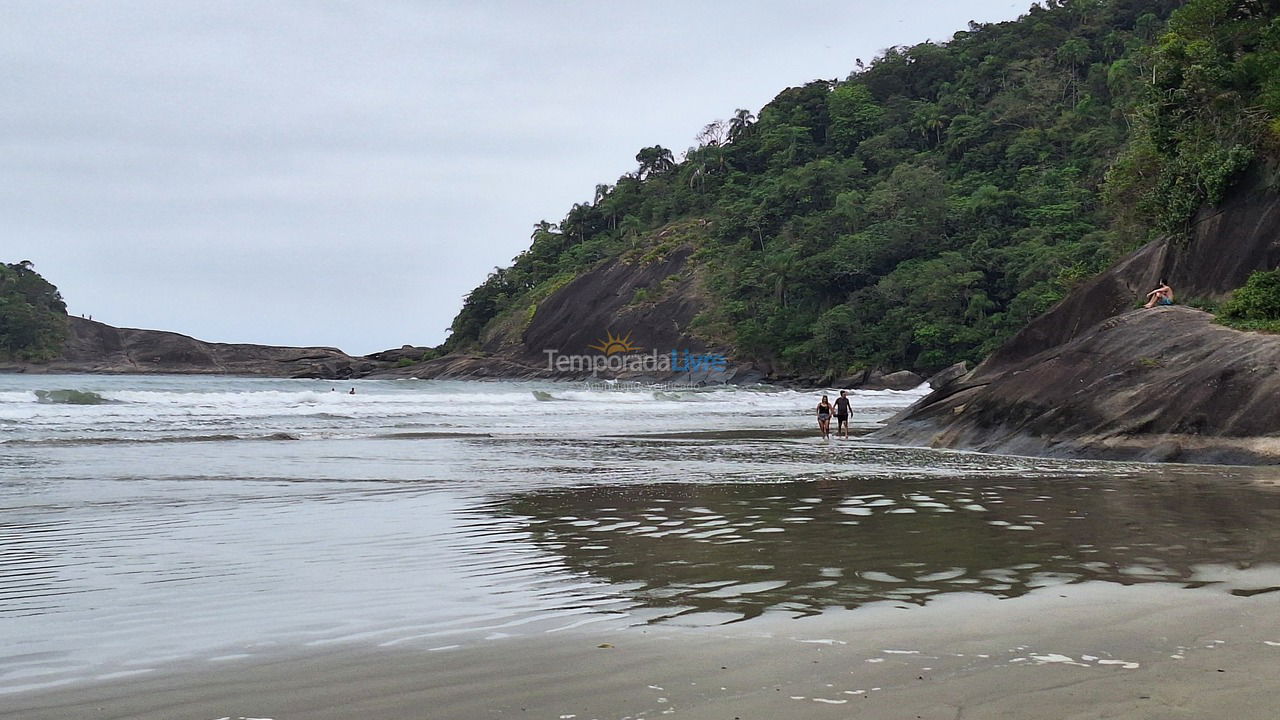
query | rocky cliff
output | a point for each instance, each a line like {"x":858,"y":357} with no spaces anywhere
{"x":1096,"y":377}
{"x":647,"y":301}
{"x":99,"y":348}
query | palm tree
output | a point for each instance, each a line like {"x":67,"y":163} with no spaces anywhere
{"x":740,"y":121}
{"x":542,"y":228}
{"x":602,"y":191}
{"x":928,"y":118}
{"x":665,"y":160}
{"x":656,"y":159}
{"x":782,"y":266}
{"x":1074,"y":53}
{"x":631,"y":226}
{"x":697,"y":177}
{"x":574,"y":221}
{"x":608,"y":206}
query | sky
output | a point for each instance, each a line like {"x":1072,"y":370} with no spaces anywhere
{"x":343,"y":173}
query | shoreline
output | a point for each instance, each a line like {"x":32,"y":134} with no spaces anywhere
{"x":918,"y":426}
{"x":1086,"y":650}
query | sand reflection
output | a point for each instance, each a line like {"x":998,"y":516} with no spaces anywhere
{"x":731,"y":551}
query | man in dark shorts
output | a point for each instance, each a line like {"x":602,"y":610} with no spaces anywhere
{"x":842,"y":414}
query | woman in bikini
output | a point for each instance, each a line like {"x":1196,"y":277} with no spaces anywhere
{"x":824,"y":417}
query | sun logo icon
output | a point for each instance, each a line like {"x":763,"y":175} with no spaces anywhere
{"x":613,"y":344}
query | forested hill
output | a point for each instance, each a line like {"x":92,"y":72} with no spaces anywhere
{"x":33,"y":318}
{"x":925,"y":208}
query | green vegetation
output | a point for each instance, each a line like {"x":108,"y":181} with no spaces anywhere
{"x":1256,"y":305}
{"x":1210,"y":99}
{"x":33,"y":318}
{"x":925,"y":208}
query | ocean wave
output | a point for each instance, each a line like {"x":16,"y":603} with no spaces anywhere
{"x":333,"y":400}
{"x":121,"y":439}
{"x":341,"y":404}
{"x":230,"y":410}
{"x":64,"y":396}
{"x":431,"y":435}
{"x":681,"y":396}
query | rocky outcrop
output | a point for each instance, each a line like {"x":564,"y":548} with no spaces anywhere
{"x":95,"y":347}
{"x":1166,"y":384}
{"x":647,"y":302}
{"x":622,"y":299}
{"x":1096,"y":377}
{"x":870,"y":379}
{"x":948,"y":375}
{"x":411,"y":353}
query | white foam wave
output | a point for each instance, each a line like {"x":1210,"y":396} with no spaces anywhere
{"x":250,"y":407}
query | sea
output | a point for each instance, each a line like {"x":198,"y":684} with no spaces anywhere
{"x":153,"y":520}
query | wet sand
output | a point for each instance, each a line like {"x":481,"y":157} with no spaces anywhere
{"x":1092,"y":650}
{"x":551,"y":572}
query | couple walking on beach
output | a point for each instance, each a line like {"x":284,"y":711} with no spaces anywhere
{"x":841,"y":408}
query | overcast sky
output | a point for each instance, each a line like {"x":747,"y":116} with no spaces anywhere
{"x":334,"y":173}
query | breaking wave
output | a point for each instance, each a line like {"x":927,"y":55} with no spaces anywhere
{"x":69,"y":397}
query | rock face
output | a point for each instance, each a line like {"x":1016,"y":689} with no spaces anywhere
{"x":650,"y":303}
{"x":946,"y":376}
{"x":413,"y":353}
{"x":900,"y":380}
{"x":873,"y":379}
{"x":95,"y":347}
{"x":1096,"y":377}
{"x":603,"y":301}
{"x":1166,"y":384}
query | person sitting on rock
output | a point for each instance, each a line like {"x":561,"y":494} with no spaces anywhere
{"x":1162,"y":295}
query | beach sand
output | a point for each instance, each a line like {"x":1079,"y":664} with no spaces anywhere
{"x":1094,"y":650}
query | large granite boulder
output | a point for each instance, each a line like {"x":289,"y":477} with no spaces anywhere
{"x":1165,"y":384}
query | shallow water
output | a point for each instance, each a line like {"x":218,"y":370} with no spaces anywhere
{"x":213,"y":518}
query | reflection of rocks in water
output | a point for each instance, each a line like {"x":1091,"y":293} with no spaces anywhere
{"x":799,"y":547}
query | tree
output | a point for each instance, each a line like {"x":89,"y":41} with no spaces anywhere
{"x":927,"y":119}
{"x":854,"y":115}
{"x":738,"y":124}
{"x":654,"y":160}
{"x":1073,"y":53}
{"x":602,"y":191}
{"x":33,"y":322}
{"x":1258,"y":299}
{"x":712,"y":134}
{"x":542,"y":227}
